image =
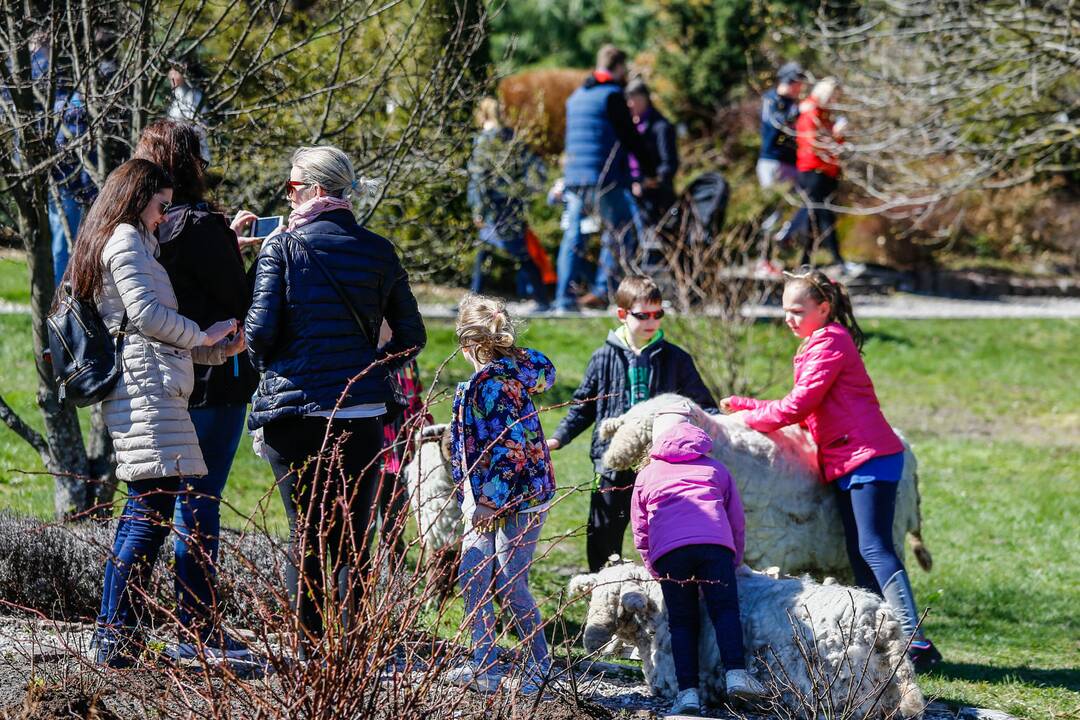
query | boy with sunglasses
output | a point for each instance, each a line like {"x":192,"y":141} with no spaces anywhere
{"x":635,"y":363}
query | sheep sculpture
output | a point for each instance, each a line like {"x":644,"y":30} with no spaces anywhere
{"x":791,"y":518}
{"x":432,"y":503}
{"x":816,"y":646}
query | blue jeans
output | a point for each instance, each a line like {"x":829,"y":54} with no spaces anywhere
{"x":709,"y":570}
{"x":867,"y":513}
{"x":141,"y":532}
{"x":527,"y":277}
{"x":197,"y":516}
{"x":61,"y":242}
{"x":497,"y":563}
{"x":622,"y":227}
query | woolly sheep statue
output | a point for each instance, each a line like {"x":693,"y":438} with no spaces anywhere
{"x":433,"y":505}
{"x":849,"y":633}
{"x":791,"y":518}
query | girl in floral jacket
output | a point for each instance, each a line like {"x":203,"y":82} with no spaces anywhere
{"x":505,"y":485}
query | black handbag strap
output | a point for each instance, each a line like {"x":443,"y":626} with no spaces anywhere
{"x":334,"y":284}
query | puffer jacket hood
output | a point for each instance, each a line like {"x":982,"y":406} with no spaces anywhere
{"x":680,"y":443}
{"x":685,"y":497}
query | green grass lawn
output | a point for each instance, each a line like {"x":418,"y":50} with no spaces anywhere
{"x":993,"y":411}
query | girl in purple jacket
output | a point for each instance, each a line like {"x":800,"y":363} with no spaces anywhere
{"x":689,"y":528}
{"x":859,"y":452}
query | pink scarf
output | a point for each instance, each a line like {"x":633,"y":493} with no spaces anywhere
{"x":315,"y":207}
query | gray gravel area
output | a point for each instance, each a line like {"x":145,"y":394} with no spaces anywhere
{"x":52,"y":656}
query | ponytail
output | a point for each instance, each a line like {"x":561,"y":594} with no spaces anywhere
{"x":821,"y":289}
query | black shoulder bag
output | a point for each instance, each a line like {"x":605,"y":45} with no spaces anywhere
{"x":399,"y":402}
{"x":86,"y":362}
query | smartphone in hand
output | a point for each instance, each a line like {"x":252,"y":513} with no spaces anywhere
{"x":263,"y":226}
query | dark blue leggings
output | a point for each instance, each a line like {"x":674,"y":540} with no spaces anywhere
{"x":708,"y":570}
{"x":867,"y":513}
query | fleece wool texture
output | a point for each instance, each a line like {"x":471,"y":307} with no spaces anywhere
{"x":847,"y":633}
{"x":791,"y":518}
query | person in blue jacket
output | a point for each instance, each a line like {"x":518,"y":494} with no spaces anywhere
{"x":599,"y":134}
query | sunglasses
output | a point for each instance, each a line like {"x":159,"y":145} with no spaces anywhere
{"x":292,"y":186}
{"x":654,"y":315}
{"x":164,"y":205}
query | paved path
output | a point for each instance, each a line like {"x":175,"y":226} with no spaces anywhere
{"x":897,"y":305}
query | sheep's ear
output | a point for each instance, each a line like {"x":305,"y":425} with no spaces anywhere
{"x":582,"y":584}
{"x":609,"y":427}
{"x":634,"y":601}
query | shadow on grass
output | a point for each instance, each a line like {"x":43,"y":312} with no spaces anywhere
{"x":1067,"y":678}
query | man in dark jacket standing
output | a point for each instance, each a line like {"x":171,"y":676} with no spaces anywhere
{"x":599,"y":133}
{"x":776,"y":160}
{"x":655,"y":196}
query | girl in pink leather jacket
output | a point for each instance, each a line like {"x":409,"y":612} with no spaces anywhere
{"x":859,"y":453}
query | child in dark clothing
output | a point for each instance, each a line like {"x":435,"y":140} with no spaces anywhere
{"x":634,"y":364}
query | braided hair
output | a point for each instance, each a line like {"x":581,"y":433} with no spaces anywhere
{"x":820,"y":288}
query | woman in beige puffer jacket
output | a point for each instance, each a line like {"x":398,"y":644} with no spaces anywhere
{"x":147,"y":411}
{"x":114,"y":263}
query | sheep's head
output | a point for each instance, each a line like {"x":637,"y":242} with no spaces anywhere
{"x":632,"y":432}
{"x":620,"y":608}
{"x":436,"y":433}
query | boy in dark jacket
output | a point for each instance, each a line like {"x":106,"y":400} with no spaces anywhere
{"x":635,"y":364}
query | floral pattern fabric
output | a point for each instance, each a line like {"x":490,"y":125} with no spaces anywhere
{"x":496,"y":438}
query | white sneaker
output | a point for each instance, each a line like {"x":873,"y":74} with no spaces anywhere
{"x":686,"y":703}
{"x":854,"y":269}
{"x":460,"y":675}
{"x":741,"y":686}
{"x":467,"y":675}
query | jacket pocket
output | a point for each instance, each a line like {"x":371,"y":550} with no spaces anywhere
{"x":177,"y":370}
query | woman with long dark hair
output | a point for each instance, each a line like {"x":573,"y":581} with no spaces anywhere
{"x":199,"y":251}
{"x":114,"y":265}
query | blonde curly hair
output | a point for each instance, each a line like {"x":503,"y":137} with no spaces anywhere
{"x":485,"y":328}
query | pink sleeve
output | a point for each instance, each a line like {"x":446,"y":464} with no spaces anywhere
{"x":737,"y":520}
{"x":639,"y":523}
{"x":819,"y":371}
{"x":738,"y":402}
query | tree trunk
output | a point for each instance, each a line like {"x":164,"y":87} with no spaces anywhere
{"x":102,"y":464}
{"x":67,"y":459}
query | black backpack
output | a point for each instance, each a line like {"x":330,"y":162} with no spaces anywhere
{"x":86,"y":362}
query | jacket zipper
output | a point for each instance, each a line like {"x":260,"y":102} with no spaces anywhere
{"x":60,"y":337}
{"x":75,"y":315}
{"x":81,"y":368}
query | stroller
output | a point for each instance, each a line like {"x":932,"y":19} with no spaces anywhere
{"x":686,"y":231}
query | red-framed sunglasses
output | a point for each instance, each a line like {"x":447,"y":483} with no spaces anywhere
{"x":293,"y":185}
{"x":653,"y":315}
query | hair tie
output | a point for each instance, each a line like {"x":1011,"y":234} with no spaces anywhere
{"x":355,"y":182}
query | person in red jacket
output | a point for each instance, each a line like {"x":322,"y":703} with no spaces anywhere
{"x":858,"y":451}
{"x":818,"y":139}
